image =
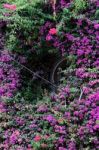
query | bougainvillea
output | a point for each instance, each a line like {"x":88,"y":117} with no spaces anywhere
{"x":69,"y":120}
{"x":10,"y":7}
{"x":9,"y":75}
{"x":61,"y":122}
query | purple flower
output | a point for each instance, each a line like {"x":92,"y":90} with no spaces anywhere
{"x":14,"y":137}
{"x":42,"y":108}
{"x":76,"y":113}
{"x":80,"y":52}
{"x":96,"y":127}
{"x":19,"y":121}
{"x":48,"y":38}
{"x":60,"y":129}
{"x":96,"y":26}
{"x":50,"y":119}
{"x":67,"y":115}
{"x":2,"y":107}
{"x":61,"y":140}
{"x":62,"y":148}
{"x":9,"y":75}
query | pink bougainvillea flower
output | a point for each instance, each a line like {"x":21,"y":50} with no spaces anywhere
{"x":2,"y":107}
{"x":53,"y":31}
{"x":48,"y":38}
{"x":37,"y":138}
{"x":9,"y":6}
{"x":17,"y":133}
{"x":96,"y":26}
{"x":62,"y":148}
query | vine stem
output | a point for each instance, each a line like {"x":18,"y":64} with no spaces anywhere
{"x":81,"y":95}
{"x":53,"y":2}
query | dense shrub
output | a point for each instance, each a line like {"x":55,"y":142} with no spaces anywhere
{"x":9,"y":75}
{"x":24,"y":24}
{"x":64,"y":121}
{"x":68,"y":120}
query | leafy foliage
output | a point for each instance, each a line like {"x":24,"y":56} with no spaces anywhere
{"x":68,"y":120}
{"x":80,"y":5}
{"x":24,"y":24}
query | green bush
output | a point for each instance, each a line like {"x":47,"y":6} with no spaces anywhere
{"x":24,"y":24}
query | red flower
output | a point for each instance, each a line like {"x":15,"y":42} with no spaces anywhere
{"x":9,"y":6}
{"x":53,"y":31}
{"x":37,"y":138}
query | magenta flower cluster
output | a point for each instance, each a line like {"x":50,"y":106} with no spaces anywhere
{"x":71,"y":127}
{"x":69,"y":120}
{"x":9,"y":75}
